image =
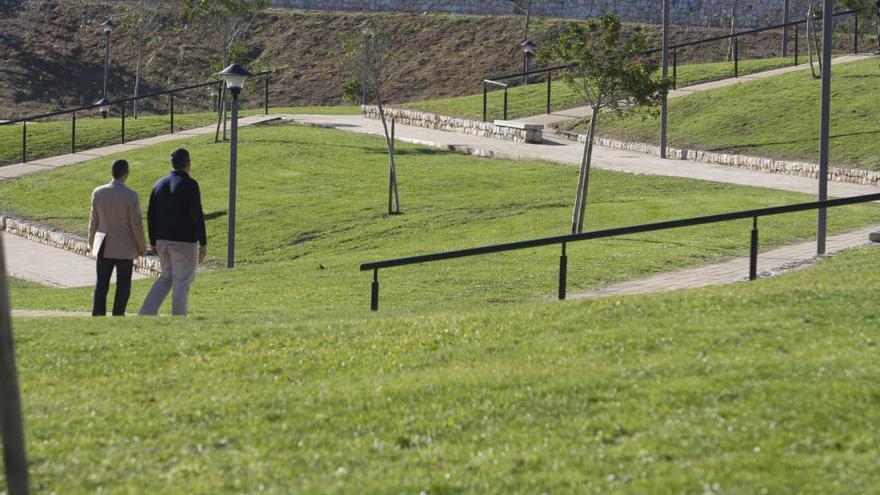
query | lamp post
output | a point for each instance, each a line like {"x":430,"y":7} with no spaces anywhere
{"x":235,"y":76}
{"x":664,"y":108}
{"x":108,"y":26}
{"x":104,"y":105}
{"x":528,"y":49}
{"x":824,"y":122}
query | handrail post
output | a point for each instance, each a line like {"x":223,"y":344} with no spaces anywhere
{"x":172,"y":113}
{"x":73,"y":133}
{"x":796,"y":36}
{"x":735,"y":56}
{"x":485,"y":96}
{"x":856,"y":33}
{"x":674,"y":68}
{"x":753,"y":252}
{"x":549,"y":77}
{"x":374,"y":292}
{"x":123,"y":123}
{"x":23,"y":141}
{"x":563,"y":273}
{"x":505,"y":102}
{"x":266,"y":96}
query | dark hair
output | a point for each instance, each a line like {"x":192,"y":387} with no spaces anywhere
{"x":179,"y":158}
{"x":120,"y":168}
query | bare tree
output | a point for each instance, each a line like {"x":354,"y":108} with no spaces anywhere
{"x":370,"y":57}
{"x":229,"y":20}
{"x":143,"y":18}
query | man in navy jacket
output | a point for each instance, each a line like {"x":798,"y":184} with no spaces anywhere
{"x":176,"y":227}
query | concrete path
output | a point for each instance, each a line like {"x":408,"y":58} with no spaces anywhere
{"x":558,"y":150}
{"x":40,"y":165}
{"x":769,"y":263}
{"x":26,"y":313}
{"x":550,"y":119}
{"x":34,"y":262}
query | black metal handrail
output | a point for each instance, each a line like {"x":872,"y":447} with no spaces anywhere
{"x":121,"y":102}
{"x":674,"y":48}
{"x":486,"y":84}
{"x":615,"y":232}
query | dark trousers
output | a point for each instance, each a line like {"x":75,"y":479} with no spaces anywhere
{"x":102,"y":287}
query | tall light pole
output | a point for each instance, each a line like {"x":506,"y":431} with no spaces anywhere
{"x":785,"y":28}
{"x":824,"y":122}
{"x":235,"y":76}
{"x":664,"y":109}
{"x":528,"y":49}
{"x":11,"y":423}
{"x":108,"y":26}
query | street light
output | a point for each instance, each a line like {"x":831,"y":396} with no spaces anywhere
{"x":104,"y":105}
{"x":108,"y":26}
{"x":235,"y":76}
{"x":528,"y":49}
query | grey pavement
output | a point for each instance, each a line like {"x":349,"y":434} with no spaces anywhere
{"x":770,"y":262}
{"x":558,"y":150}
{"x":49,"y":163}
{"x":47,"y":265}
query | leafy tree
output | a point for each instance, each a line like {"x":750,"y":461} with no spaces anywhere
{"x":610,"y":73}
{"x":369,"y":56}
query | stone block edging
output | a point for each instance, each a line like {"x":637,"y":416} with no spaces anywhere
{"x":462,"y":125}
{"x":148,"y":265}
{"x":800,"y":169}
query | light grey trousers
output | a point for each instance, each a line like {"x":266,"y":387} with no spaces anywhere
{"x":179,"y":261}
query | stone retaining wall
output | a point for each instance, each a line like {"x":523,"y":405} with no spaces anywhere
{"x":452,"y":124}
{"x":800,"y":169}
{"x":69,"y":242}
{"x":750,"y":13}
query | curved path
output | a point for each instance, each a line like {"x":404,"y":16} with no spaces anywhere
{"x":553,"y":149}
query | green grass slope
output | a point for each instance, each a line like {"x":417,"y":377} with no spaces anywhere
{"x":776,"y":117}
{"x":766,"y":387}
{"x":311,"y":209}
{"x":51,"y":138}
{"x":532,"y":99}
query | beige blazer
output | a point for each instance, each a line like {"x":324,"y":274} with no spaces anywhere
{"x":116,"y":212}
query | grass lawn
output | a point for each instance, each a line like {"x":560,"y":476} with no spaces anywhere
{"x":532,"y":99}
{"x":282,"y":381}
{"x":310,"y":210}
{"x":50,"y":138}
{"x":766,"y":387}
{"x":776,"y":117}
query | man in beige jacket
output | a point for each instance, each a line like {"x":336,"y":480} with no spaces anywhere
{"x":116,"y":234}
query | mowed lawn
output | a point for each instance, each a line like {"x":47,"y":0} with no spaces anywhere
{"x":531,"y":99}
{"x":311,"y":208}
{"x":776,"y":117}
{"x":54,"y":137}
{"x":765,"y":387}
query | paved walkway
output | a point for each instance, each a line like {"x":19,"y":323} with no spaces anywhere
{"x":559,"y":150}
{"x":550,"y":119}
{"x":769,"y":263}
{"x":35,"y":262}
{"x":79,"y":271}
{"x":43,"y":164}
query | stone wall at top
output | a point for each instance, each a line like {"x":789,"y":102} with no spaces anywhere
{"x":750,"y":13}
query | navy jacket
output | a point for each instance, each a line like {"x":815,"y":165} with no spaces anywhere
{"x":175,"y":211}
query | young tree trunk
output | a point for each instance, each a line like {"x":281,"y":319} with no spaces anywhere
{"x":580,"y":202}
{"x":732,"y":30}
{"x":137,"y":70}
{"x":393,"y":194}
{"x":220,"y":113}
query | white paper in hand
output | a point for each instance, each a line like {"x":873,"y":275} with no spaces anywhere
{"x":98,"y":242}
